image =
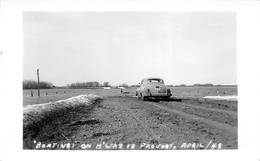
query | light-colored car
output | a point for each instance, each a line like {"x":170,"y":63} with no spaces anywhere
{"x":153,"y":87}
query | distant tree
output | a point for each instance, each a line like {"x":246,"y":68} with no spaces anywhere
{"x":124,"y":85}
{"x":84,"y":85}
{"x":95,"y":84}
{"x":106,"y":84}
{"x":208,"y":85}
{"x":204,"y":85}
{"x":31,"y":84}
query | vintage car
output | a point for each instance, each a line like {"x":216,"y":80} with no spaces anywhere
{"x":153,"y":87}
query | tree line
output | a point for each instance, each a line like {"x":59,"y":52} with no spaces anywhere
{"x":92,"y":84}
{"x":196,"y":85}
{"x":31,"y":84}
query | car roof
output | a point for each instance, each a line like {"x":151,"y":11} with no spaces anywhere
{"x":152,"y":78}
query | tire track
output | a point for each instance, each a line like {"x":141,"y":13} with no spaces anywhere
{"x":230,"y":129}
{"x":155,"y":138}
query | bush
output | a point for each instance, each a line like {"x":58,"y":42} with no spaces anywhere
{"x":31,"y":84}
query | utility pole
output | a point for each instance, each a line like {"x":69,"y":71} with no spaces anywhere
{"x":38,"y":83}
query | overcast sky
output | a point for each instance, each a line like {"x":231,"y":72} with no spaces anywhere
{"x":124,"y":47}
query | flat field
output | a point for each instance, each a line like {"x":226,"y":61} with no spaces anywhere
{"x":52,"y":95}
{"x":200,"y":92}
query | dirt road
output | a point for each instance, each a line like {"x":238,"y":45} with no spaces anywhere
{"x":125,"y":123}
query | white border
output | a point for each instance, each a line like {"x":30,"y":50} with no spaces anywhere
{"x":248,"y":20}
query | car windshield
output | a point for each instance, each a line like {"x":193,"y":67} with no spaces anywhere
{"x":155,"y":81}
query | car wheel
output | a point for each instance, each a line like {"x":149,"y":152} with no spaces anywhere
{"x":166,"y":99}
{"x":138,"y":97}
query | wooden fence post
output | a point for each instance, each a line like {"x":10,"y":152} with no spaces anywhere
{"x":38,"y":83}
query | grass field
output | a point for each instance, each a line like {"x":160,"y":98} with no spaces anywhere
{"x":199,"y":92}
{"x":60,"y":94}
{"x":52,"y":95}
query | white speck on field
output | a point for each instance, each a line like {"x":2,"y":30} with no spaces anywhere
{"x":229,"y":98}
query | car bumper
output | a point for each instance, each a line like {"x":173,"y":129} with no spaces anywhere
{"x":158,"y":95}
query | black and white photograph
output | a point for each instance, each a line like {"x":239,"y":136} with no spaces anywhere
{"x":129,"y":80}
{"x":132,"y":79}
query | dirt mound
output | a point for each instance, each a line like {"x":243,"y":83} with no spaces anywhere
{"x":40,"y":112}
